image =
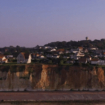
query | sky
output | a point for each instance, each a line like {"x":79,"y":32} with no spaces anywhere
{"x":37,"y":22}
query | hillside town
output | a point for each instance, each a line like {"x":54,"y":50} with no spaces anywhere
{"x":53,"y":55}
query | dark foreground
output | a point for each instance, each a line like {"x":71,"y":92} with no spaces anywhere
{"x":52,"y":98}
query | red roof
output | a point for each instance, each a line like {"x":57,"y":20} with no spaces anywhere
{"x":80,"y":47}
{"x":95,"y":59}
{"x":61,"y":50}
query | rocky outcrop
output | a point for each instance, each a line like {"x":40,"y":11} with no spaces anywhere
{"x":51,"y":78}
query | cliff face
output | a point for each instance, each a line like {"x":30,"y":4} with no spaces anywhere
{"x":51,"y":77}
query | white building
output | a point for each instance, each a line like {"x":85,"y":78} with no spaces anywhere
{"x":42,"y":57}
{"x":53,"y":49}
{"x":56,"y":56}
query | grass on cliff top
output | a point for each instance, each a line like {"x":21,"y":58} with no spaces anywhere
{"x":64,"y":64}
{"x":15,"y":68}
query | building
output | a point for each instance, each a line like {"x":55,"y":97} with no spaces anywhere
{"x":87,"y":38}
{"x":24,"y":58}
{"x":95,"y":61}
{"x":3,"y":59}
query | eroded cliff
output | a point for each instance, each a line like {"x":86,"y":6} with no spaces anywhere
{"x":51,"y":77}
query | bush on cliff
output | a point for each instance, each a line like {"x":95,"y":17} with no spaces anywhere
{"x":21,"y":68}
{"x":13,"y":68}
{"x":4,"y":68}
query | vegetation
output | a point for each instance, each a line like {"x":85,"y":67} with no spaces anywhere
{"x":21,"y":68}
{"x":13,"y":68}
{"x":74,"y":44}
{"x":4,"y":68}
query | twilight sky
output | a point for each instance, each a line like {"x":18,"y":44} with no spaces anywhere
{"x":37,"y":22}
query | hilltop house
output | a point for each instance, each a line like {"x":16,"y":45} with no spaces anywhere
{"x":98,"y":61}
{"x":95,"y":61}
{"x":74,"y":51}
{"x":24,"y":58}
{"x":80,"y":48}
{"x":93,"y":48}
{"x":78,"y":55}
{"x":56,"y":56}
{"x":61,"y":51}
{"x":3,"y":59}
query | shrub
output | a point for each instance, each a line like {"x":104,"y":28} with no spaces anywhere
{"x":13,"y":68}
{"x":61,"y":62}
{"x":50,"y":61}
{"x":4,"y":68}
{"x":21,"y":68}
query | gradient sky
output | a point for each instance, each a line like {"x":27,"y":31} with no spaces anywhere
{"x":37,"y":22}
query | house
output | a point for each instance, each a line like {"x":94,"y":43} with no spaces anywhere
{"x":93,"y":48}
{"x":85,"y":50}
{"x":74,"y":51}
{"x":76,"y":57}
{"x":103,"y":54}
{"x":46,"y":47}
{"x":6,"y":50}
{"x":38,"y":47}
{"x":42,"y":56}
{"x":61,"y":51}
{"x":72,"y":56}
{"x":24,"y":58}
{"x":82,"y":60}
{"x":49,"y":56}
{"x":33,"y":55}
{"x":80,"y":48}
{"x":37,"y":55}
{"x":88,"y":57}
{"x":56,"y":56}
{"x":66,"y":57}
{"x":53,"y":49}
{"x":98,"y":61}
{"x":98,"y":52}
{"x":3,"y":59}
{"x":67,"y":51}
{"x":95,"y":61}
{"x":79,"y":54}
{"x":9,"y":56}
{"x":101,"y":62}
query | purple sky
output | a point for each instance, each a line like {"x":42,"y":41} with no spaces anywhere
{"x":37,"y":22}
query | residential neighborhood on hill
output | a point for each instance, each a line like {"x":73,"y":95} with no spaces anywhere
{"x":81,"y":52}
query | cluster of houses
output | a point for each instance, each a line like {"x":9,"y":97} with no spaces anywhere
{"x":91,"y":55}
